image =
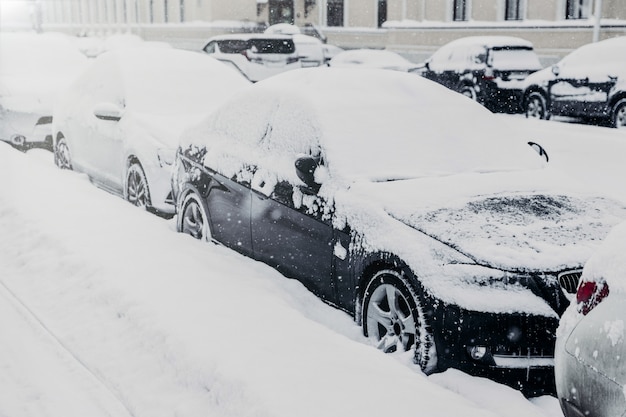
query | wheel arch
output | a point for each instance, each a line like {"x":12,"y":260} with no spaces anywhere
{"x":535,"y":89}
{"x":621,"y":95}
{"x":372,"y":264}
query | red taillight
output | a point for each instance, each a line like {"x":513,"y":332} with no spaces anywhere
{"x":589,"y":295}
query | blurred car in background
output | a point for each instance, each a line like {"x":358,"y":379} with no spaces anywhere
{"x":373,"y":58}
{"x":256,"y":56}
{"x":312,"y":50}
{"x":590,"y":83}
{"x":33,"y":69}
{"x":452,"y":242}
{"x":590,"y":365}
{"x":488,"y":69}
{"x":120,"y":121}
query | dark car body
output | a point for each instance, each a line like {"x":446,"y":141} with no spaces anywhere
{"x":489,"y":70}
{"x":386,"y":228}
{"x":590,"y":83}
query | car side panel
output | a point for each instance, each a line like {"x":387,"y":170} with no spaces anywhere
{"x":228,"y":203}
{"x":298,"y":245}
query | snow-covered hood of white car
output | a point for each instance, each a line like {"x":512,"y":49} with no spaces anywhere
{"x":517,"y":221}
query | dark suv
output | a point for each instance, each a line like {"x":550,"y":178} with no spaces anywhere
{"x":488,"y":69}
{"x":590,"y":83}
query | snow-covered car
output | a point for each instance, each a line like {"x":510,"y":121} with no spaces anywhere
{"x":488,"y":69}
{"x":312,"y":50}
{"x":590,"y":83}
{"x":449,"y":240}
{"x":120,"y":121}
{"x":33,"y":69}
{"x":590,"y":350}
{"x":256,"y":55}
{"x":373,"y":58}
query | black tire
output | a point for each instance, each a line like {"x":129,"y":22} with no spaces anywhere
{"x":618,"y":116}
{"x":393,"y":316}
{"x":136,"y":189}
{"x":469,"y":91}
{"x":62,"y":157}
{"x":193,"y":219}
{"x":536,"y":107}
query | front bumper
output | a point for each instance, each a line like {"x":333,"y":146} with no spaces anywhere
{"x":513,"y":349}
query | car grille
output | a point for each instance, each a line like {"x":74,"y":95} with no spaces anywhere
{"x":569,"y":280}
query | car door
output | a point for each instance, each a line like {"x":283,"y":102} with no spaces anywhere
{"x":96,"y":140}
{"x":580,"y":87}
{"x":228,"y":203}
{"x":298,"y":244}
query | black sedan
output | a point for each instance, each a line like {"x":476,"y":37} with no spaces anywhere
{"x":449,"y":241}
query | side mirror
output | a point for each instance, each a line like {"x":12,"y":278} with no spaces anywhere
{"x":556,"y":70}
{"x":305,"y":169}
{"x":108,"y":111}
{"x":540,"y":150}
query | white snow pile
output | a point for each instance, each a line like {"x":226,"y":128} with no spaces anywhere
{"x":35,"y":67}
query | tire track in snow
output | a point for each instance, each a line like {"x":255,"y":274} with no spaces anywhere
{"x":103,"y":395}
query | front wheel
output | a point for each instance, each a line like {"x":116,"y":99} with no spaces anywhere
{"x":136,"y":190}
{"x":394,"y":318}
{"x":469,"y":91}
{"x":536,"y":107}
{"x":61,"y":153}
{"x":193,"y":219}
{"x":619,"y":114}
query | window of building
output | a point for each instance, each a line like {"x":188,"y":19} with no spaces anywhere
{"x":578,"y":9}
{"x":382,"y":12}
{"x":281,"y":11}
{"x":459,"y":10}
{"x":334,"y":13}
{"x":513,"y":10}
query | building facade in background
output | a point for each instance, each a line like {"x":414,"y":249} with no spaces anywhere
{"x":326,"y":13}
{"x":411,"y":27}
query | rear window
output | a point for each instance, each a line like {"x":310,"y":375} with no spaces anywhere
{"x":261,"y":46}
{"x":514,"y":59}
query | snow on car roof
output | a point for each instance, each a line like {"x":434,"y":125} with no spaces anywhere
{"x":246,"y":36}
{"x":492,"y":41}
{"x":608,"y":262}
{"x":377,"y":58}
{"x":372,"y":124}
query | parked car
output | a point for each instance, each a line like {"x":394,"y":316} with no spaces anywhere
{"x":256,"y":56}
{"x":373,"y":58}
{"x":33,"y":69}
{"x":590,"y":369}
{"x":448,"y":239}
{"x":590,"y":82}
{"x":312,"y":50}
{"x":120,"y":121}
{"x":488,"y":69}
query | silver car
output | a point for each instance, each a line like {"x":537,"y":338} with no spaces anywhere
{"x":590,"y":355}
{"x":120,"y":121}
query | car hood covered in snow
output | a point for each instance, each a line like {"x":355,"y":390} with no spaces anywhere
{"x":528,"y":228}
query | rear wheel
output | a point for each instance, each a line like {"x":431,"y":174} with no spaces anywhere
{"x":137,"y":192}
{"x":469,"y":91}
{"x":536,"y":107}
{"x":393,"y":317}
{"x":61,"y":152}
{"x":193,"y":218}
{"x":619,"y":114}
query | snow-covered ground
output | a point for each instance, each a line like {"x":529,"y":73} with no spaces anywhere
{"x":106,"y":311}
